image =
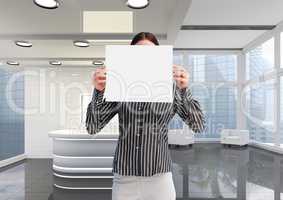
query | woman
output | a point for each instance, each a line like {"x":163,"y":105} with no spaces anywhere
{"x":142,"y":163}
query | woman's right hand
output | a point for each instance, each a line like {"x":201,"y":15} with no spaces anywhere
{"x":99,"y":78}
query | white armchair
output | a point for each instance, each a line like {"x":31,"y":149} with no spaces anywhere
{"x":235,"y":137}
{"x":180,"y":137}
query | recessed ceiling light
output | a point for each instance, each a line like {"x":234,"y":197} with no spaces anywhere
{"x":55,"y":63}
{"x":23,"y":43}
{"x":137,"y":4}
{"x":75,"y":74}
{"x":98,"y":63}
{"x":81,"y":43}
{"x":11,"y":62}
{"x":47,"y":4}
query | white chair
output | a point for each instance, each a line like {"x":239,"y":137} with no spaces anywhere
{"x":181,"y":137}
{"x":235,"y":137}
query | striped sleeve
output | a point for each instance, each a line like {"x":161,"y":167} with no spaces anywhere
{"x":99,"y":112}
{"x":189,"y":109}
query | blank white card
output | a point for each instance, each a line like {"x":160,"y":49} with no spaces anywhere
{"x":139,"y":73}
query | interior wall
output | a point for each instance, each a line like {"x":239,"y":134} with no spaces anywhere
{"x":52,"y":102}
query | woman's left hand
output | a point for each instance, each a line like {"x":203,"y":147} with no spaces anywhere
{"x":181,"y":76}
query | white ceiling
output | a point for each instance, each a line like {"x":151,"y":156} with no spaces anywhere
{"x":52,"y":31}
{"x":227,"y":12}
{"x":25,"y":17}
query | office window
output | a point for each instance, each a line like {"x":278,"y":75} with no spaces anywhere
{"x":11,"y":121}
{"x":210,"y":82}
{"x":210,"y":75}
{"x":260,"y":60}
{"x":260,"y":111}
{"x":178,"y":59}
{"x":213,"y":68}
{"x":219,"y":105}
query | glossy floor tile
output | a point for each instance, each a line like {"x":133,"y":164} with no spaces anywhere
{"x":206,"y":171}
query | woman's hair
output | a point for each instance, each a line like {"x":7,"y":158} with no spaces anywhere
{"x":145,"y":36}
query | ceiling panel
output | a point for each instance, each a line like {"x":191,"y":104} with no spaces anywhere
{"x":108,"y":22}
{"x":215,"y":39}
{"x":234,"y":12}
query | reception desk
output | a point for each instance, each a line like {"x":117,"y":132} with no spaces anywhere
{"x":83,"y":161}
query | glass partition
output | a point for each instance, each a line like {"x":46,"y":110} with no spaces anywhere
{"x":11,"y":120}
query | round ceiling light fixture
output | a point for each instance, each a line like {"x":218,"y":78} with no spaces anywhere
{"x":47,"y":4}
{"x":137,"y":4}
{"x":11,"y":62}
{"x":81,"y":43}
{"x":23,"y":43}
{"x":55,"y":63}
{"x":98,"y":63}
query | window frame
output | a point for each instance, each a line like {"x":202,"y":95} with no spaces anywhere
{"x":275,"y":75}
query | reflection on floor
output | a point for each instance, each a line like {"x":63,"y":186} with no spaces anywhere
{"x":206,"y":171}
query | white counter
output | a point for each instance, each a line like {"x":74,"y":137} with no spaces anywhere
{"x":75,"y":151}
